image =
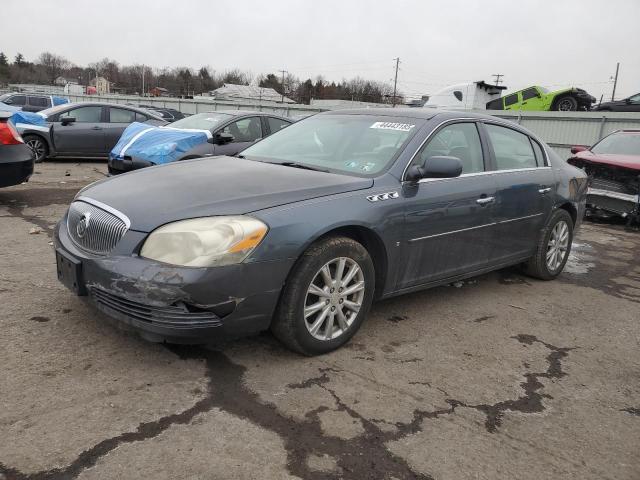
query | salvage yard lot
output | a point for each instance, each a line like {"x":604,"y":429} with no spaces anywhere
{"x":499,"y":377}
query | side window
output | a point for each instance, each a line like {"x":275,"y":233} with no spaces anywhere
{"x":19,"y":100}
{"x":529,"y":93}
{"x":510,"y":99}
{"x":512,"y":149}
{"x":38,"y":101}
{"x":539,"y":155}
{"x":141,"y":118}
{"x":459,"y":140}
{"x":120,"y":115}
{"x":84,"y":114}
{"x":245,"y":130}
{"x":635,"y":99}
{"x":275,"y":124}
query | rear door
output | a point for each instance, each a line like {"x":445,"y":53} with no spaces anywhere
{"x":19,"y":101}
{"x":526,"y":186}
{"x":117,"y":120}
{"x":35,"y":103}
{"x":449,"y":228}
{"x":85,"y":136}
{"x":245,"y":132}
{"x":512,"y":102}
{"x":531,"y":99}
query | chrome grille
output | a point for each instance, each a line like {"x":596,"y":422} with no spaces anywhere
{"x":95,"y":229}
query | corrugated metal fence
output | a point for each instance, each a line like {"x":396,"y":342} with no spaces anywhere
{"x":562,"y":130}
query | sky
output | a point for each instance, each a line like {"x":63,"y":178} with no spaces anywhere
{"x":553,"y":43}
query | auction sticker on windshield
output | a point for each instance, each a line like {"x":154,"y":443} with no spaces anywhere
{"x":403,"y":127}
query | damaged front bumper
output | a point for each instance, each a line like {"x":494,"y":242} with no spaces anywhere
{"x":622,"y":204}
{"x":166,"y":303}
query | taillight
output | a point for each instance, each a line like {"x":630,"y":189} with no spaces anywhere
{"x":9,"y":135}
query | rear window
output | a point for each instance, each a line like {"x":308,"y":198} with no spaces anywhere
{"x":511,"y":99}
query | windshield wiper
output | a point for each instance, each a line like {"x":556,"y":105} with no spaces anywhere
{"x":303,"y":166}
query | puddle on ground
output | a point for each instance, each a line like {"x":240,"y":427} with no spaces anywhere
{"x":580,"y":260}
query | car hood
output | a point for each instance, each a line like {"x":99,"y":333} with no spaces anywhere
{"x":156,"y":145}
{"x":153,"y":196}
{"x":625,"y":161}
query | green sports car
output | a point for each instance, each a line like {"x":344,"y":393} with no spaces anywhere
{"x":540,"y":99}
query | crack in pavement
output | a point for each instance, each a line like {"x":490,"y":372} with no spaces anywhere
{"x":361,"y":457}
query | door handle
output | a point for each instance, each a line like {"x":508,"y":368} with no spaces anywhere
{"x":485,"y":200}
{"x":96,"y":128}
{"x":544,"y":190}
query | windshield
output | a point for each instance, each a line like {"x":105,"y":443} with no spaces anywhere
{"x":619,"y":144}
{"x":361,"y":145}
{"x":202,"y":121}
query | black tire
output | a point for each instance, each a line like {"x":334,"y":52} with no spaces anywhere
{"x":566,"y":104}
{"x":537,"y":265}
{"x":289,"y":324}
{"x":38,"y":147}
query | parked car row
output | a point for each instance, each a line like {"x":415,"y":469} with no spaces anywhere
{"x":303,"y":230}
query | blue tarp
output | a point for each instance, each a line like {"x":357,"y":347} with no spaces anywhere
{"x":157,"y":145}
{"x":59,"y":100}
{"x":29,"y":121}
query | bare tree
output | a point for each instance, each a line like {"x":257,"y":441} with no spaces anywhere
{"x":54,"y":65}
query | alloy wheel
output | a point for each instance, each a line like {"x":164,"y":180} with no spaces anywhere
{"x":334,"y":298}
{"x":37,"y":147}
{"x":565,"y":105}
{"x":558,"y":246}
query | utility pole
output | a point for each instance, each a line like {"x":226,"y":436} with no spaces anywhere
{"x":283,"y":72}
{"x":497,"y":77}
{"x":395,"y":82}
{"x":615,"y":81}
{"x":143,"y":80}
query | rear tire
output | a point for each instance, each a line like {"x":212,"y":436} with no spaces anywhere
{"x":38,"y":147}
{"x":553,"y":249}
{"x":326,"y":297}
{"x":566,"y":104}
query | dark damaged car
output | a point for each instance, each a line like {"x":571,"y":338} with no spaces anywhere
{"x":309,"y":226}
{"x":613,"y":166}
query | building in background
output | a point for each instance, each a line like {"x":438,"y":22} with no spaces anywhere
{"x":240,"y":93}
{"x":103,"y":86}
{"x":159,"y":92}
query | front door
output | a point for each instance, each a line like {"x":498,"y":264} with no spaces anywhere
{"x":449,"y":226}
{"x":245,"y":132}
{"x":83,"y":136}
{"x":526,"y":186}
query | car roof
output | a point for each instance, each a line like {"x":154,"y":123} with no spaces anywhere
{"x":421,"y":113}
{"x":115,"y":105}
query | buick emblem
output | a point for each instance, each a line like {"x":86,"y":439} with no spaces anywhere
{"x":83,"y":225}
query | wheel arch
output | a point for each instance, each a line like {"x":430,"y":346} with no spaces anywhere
{"x":369,"y":239}
{"x":560,"y":96}
{"x":571,"y":210}
{"x":40,"y":135}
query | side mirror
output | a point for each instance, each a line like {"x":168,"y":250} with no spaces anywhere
{"x":627,"y":101}
{"x":221,"y":138}
{"x":67,"y":120}
{"x":578,"y":148}
{"x":436,"y":167}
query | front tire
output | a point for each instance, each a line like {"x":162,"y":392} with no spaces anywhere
{"x":38,"y":147}
{"x":554,"y":247}
{"x":326,"y":297}
{"x":566,"y":104}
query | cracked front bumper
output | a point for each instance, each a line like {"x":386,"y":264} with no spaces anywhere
{"x":621,"y":203}
{"x":174,"y":304}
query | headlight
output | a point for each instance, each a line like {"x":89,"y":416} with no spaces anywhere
{"x":205,"y":242}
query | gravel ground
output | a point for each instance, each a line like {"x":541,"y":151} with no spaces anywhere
{"x":499,"y":377}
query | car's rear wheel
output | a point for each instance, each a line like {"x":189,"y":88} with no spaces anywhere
{"x":554,"y":247}
{"x":38,"y":146}
{"x":567,"y":104}
{"x":326,"y":297}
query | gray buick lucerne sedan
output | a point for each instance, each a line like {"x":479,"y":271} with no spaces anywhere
{"x":304,"y":229}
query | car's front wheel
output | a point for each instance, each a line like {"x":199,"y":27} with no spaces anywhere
{"x":567,"y":104}
{"x":553,"y":248}
{"x":326,"y":297}
{"x":38,"y":147}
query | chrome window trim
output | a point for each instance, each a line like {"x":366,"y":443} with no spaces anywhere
{"x":107,"y":208}
{"x":498,"y":122}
